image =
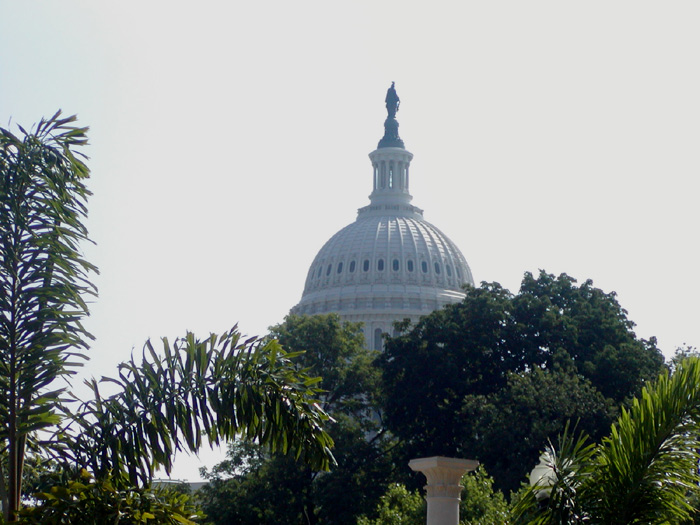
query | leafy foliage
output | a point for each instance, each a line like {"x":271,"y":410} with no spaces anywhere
{"x":254,"y":487}
{"x":251,"y":488}
{"x":500,"y":367}
{"x":215,"y":389}
{"x":645,"y":471}
{"x":398,"y":506}
{"x":86,"y":501}
{"x":43,"y":282}
{"x":480,"y":504}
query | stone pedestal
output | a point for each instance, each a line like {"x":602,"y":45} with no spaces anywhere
{"x":443,"y":488}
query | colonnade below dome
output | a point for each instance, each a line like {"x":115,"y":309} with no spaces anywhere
{"x":377,"y":307}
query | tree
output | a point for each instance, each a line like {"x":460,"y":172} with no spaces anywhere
{"x":43,"y":282}
{"x":86,"y":501}
{"x":398,"y":506}
{"x":532,"y":407}
{"x":479,"y":505}
{"x":195,"y":392}
{"x":554,"y":351}
{"x":644,"y":471}
{"x":253,"y":487}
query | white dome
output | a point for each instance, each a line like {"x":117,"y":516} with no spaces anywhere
{"x":397,"y":263}
{"x":390,"y":264}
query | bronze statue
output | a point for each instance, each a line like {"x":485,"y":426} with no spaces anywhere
{"x":392,"y":101}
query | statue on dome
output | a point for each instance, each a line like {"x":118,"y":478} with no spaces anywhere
{"x":392,"y":101}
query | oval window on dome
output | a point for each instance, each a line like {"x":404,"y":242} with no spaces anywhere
{"x":340,"y":267}
{"x":459,"y":272}
{"x":409,"y":265}
{"x":448,"y":269}
{"x":395,"y":265}
{"x":380,"y":265}
{"x":424,"y":267}
{"x":318,"y":273}
{"x":328,"y":270}
{"x":437,"y":268}
{"x":352,"y":267}
{"x":365,"y":265}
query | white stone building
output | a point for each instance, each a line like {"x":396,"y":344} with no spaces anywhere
{"x":390,"y":264}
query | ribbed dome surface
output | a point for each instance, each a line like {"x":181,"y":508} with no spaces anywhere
{"x":384,"y":250}
{"x":382,"y":269}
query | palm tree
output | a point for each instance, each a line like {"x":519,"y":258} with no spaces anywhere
{"x":197,"y":391}
{"x":643,"y":472}
{"x":43,"y":281}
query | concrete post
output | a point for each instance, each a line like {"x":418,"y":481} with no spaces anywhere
{"x":443,"y":488}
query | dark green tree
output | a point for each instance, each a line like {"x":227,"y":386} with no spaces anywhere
{"x":296,"y":493}
{"x":515,"y":422}
{"x":492,"y":377}
{"x":644,"y":471}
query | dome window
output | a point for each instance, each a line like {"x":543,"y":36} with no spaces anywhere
{"x":448,"y":269}
{"x":395,"y":265}
{"x":409,"y":265}
{"x":340,"y":267}
{"x":328,"y":270}
{"x":352,"y":267}
{"x":380,"y":265}
{"x":424,"y":267}
{"x":365,"y":265}
{"x":459,"y":272}
{"x":318,"y":273}
{"x":437,"y":268}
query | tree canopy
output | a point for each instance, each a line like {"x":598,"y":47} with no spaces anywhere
{"x":253,"y":487}
{"x":494,"y":376}
{"x":644,"y":472}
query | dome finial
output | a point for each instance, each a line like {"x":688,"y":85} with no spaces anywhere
{"x":391,"y":137}
{"x":392,"y":101}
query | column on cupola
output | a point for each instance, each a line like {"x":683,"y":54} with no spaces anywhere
{"x":390,"y":169}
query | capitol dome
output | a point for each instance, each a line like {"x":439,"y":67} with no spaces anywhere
{"x":390,"y":264}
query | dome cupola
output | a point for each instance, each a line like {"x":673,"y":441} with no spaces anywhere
{"x":390,"y":264}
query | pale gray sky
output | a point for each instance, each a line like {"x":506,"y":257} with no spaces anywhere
{"x":229,"y":141}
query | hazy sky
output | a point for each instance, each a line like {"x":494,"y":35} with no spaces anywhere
{"x":229,"y":141}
